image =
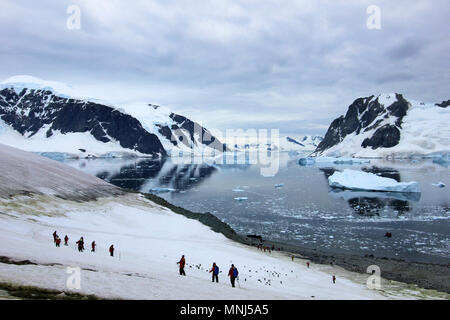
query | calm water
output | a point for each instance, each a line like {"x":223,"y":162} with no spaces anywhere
{"x":304,"y":210}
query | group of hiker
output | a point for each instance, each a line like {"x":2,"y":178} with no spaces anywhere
{"x":266,"y":248}
{"x":80,"y":243}
{"x":232,"y":273}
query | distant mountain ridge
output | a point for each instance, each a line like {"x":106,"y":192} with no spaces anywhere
{"x":388,"y":125}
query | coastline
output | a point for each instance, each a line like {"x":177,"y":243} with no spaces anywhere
{"x":424,"y":275}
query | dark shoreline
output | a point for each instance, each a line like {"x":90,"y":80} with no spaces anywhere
{"x":424,"y":275}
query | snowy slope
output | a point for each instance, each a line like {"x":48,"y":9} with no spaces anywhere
{"x":149,"y":239}
{"x":23,"y":172}
{"x":171,"y":130}
{"x":71,"y":145}
{"x":299,"y":143}
{"x":388,"y":125}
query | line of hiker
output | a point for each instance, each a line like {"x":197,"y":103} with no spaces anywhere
{"x":232,"y":273}
{"x":267,"y":248}
{"x":79,"y":243}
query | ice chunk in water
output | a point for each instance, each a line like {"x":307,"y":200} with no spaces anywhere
{"x":359,"y":180}
{"x":439,"y":185}
{"x":161,"y":190}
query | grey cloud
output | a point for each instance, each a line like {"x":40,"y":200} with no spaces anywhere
{"x":261,"y":63}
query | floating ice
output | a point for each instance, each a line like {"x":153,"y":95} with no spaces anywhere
{"x":161,"y":190}
{"x":238,"y":190}
{"x":442,"y":159}
{"x":241,"y":198}
{"x":279,"y":185}
{"x":330,"y":160}
{"x":365,"y":181}
{"x":439,"y":185}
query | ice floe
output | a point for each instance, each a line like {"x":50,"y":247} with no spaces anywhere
{"x":365,"y":181}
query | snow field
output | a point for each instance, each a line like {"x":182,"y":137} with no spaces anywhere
{"x":149,"y":240}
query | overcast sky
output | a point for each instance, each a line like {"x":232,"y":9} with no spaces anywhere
{"x":291,"y":65}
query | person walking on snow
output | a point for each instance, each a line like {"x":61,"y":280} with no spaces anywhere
{"x":111,"y":250}
{"x":54,"y":236}
{"x":93,"y":246}
{"x":182,"y":262}
{"x":334,"y":279}
{"x":80,"y":244}
{"x":66,"y":240}
{"x":215,"y":272}
{"x":57,"y":241}
{"x":233,"y":274}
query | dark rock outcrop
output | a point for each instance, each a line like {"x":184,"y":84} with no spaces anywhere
{"x":31,"y":110}
{"x":369,"y":116}
{"x":189,"y":133}
{"x":443,"y":104}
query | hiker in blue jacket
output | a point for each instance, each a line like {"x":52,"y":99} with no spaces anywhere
{"x":215,"y":272}
{"x":233,"y":274}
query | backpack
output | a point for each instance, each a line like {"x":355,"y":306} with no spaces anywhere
{"x":216,"y":270}
{"x":235,"y":272}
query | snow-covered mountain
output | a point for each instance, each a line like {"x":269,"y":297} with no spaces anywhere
{"x":284,"y":144}
{"x":388,"y":125}
{"x":299,"y":143}
{"x":44,"y":116}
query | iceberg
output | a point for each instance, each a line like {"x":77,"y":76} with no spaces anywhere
{"x":442,"y":159}
{"x":365,"y":181}
{"x":279,"y":185}
{"x":439,"y":184}
{"x":331,"y":160}
{"x":161,"y":190}
{"x":241,"y":198}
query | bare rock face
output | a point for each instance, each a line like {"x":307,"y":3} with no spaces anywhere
{"x":370,"y":117}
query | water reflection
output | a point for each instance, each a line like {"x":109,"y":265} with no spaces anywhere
{"x":371,"y":204}
{"x":150,"y":175}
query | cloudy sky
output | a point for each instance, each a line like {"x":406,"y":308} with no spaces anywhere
{"x":291,"y":65}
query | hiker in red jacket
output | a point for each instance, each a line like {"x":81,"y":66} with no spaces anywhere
{"x":57,"y":241}
{"x":93,"y":246}
{"x":111,"y":250}
{"x":80,"y":244}
{"x":215,"y":272}
{"x":66,"y":240}
{"x":54,"y":236}
{"x":334,"y":279}
{"x":182,"y":262}
{"x":233,"y":273}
